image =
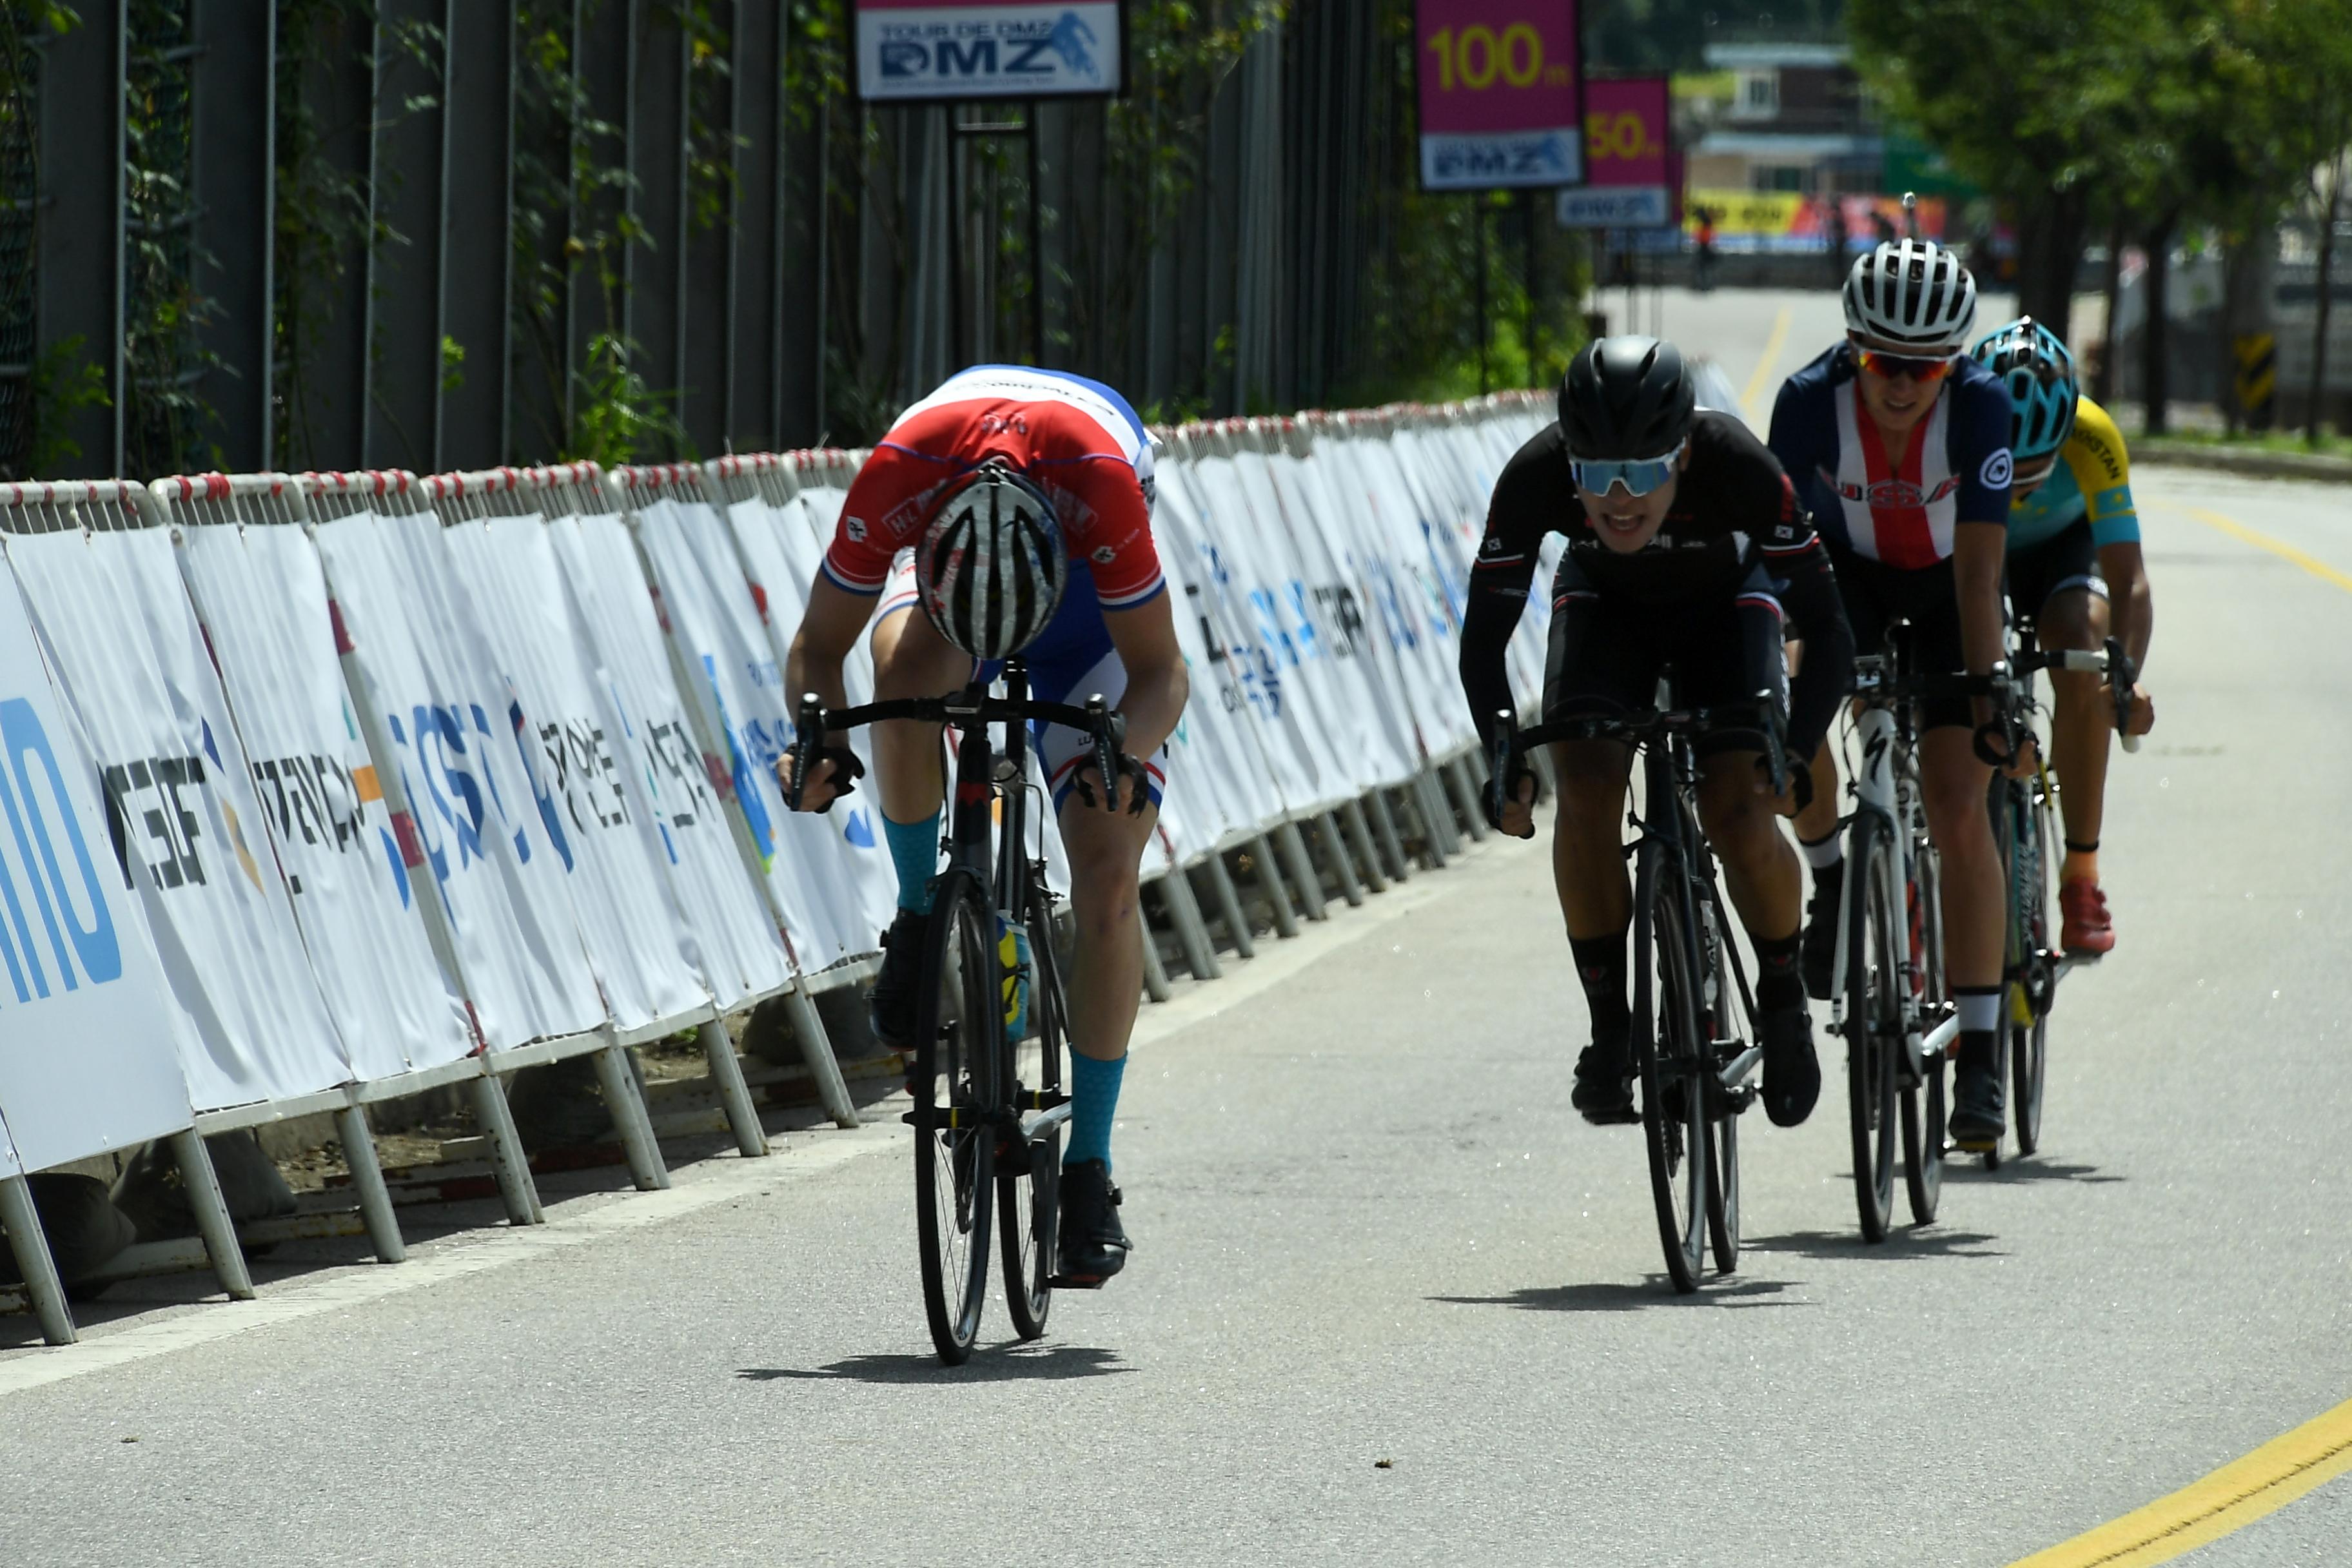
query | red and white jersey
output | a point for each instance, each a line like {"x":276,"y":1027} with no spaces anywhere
{"x":1074,"y":439}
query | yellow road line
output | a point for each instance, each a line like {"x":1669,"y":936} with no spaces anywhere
{"x":1764,"y":366}
{"x":2232,"y":1497}
{"x":2285,"y":552}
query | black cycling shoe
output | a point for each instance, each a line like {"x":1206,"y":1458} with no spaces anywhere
{"x":1819,"y":960}
{"x":891,"y":1006}
{"x":1604,"y":1079}
{"x":1793,"y":1074}
{"x":1977,"y":1111}
{"x":1093,"y":1245}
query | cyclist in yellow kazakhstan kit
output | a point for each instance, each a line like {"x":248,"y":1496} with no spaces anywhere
{"x":2074,"y":565}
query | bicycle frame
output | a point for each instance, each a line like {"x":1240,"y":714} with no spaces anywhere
{"x":1887,"y":785}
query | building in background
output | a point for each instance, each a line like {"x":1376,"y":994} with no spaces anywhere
{"x":1796,"y":124}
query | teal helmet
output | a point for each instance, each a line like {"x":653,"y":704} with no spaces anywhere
{"x":2043,"y":389}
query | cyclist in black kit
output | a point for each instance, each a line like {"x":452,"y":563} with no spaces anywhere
{"x":1685,"y":542}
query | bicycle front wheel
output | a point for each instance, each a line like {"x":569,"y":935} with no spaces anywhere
{"x":959,"y":1031}
{"x":1923,"y":1100}
{"x":1029,"y":1195}
{"x":1876,"y":943}
{"x":1673,"y":1091}
{"x":1723,"y":1106}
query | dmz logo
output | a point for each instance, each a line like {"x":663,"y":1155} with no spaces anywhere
{"x":992,"y":50}
{"x":1523,"y":158}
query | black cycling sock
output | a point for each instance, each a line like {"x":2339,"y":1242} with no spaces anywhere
{"x":1779,"y":979}
{"x":1601,"y":969}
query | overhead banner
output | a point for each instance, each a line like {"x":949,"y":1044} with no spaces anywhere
{"x":86,"y":1056}
{"x":1500,"y":85}
{"x":1784,"y":222}
{"x":187,"y":827}
{"x":1628,"y":142}
{"x":927,"y":51}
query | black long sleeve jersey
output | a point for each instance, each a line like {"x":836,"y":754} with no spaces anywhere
{"x":1734,"y":512}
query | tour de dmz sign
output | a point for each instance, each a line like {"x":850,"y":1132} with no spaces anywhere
{"x":1501,"y":91}
{"x":929,"y":51}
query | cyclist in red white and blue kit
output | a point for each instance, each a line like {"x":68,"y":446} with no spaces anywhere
{"x":994,"y":476}
{"x":1900,"y":442}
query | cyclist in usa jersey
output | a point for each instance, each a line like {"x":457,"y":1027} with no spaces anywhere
{"x":1901,"y":444}
{"x":1081,"y":457}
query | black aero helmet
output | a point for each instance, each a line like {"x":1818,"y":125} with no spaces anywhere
{"x":1626,"y":397}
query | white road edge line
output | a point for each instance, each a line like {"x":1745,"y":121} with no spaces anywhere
{"x":700,"y":1185}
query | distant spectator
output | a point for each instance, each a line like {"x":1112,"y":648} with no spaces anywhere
{"x":1837,"y":242}
{"x":1706,"y":248}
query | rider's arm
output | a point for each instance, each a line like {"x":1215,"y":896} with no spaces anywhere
{"x":1533,"y":485}
{"x":1826,"y":674}
{"x":1980,"y":419}
{"x":828,"y":631}
{"x":2103,"y":473}
{"x":1157,"y":684}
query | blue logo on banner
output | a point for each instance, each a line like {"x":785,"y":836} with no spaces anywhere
{"x":1075,"y":41}
{"x":21,"y":737}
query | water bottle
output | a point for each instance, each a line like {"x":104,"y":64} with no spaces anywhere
{"x":1013,"y":954}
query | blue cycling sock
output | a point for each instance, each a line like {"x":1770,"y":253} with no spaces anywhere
{"x":915,"y":852}
{"x":1094,"y":1100}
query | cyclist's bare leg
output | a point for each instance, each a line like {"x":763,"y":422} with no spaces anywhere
{"x":2080,"y":724}
{"x":1588,"y":859}
{"x":1105,"y":976}
{"x":1955,"y":785}
{"x":1760,"y":869}
{"x":911,"y":659}
{"x":1819,"y":817}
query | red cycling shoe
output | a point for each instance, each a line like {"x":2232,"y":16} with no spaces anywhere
{"x":2086,"y":927}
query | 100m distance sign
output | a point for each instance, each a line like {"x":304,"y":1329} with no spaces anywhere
{"x":1501,"y":91}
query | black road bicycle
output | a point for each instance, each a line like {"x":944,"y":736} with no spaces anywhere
{"x":1694,"y":1048}
{"x":2024,"y":813}
{"x":988,"y":1141}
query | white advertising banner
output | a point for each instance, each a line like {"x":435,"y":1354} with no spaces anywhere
{"x":187,"y":827}
{"x":593,"y":802}
{"x":416,"y":635}
{"x":263,"y":600}
{"x":777,"y":552}
{"x":740,"y":951}
{"x":741,"y":690}
{"x":86,"y":1058}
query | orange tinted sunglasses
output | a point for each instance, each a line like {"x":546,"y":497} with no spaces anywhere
{"x":1923,"y":370}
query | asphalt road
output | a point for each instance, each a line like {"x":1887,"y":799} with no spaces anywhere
{"x":1391,"y":1301}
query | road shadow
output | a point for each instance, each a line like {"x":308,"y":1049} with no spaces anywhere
{"x":1838,"y":1246}
{"x":1615,"y":1296}
{"x":1011,"y":1362}
{"x":2031,"y":1169}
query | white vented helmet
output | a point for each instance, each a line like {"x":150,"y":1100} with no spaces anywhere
{"x":1911,"y":296}
{"x":990,"y":566}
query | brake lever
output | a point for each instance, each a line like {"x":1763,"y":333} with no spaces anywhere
{"x":2122,"y":677}
{"x":1776,"y":745}
{"x":1500,"y":760}
{"x":808,"y":740}
{"x":1108,"y":730}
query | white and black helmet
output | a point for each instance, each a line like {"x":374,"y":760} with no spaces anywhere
{"x":1911,"y":297}
{"x":990,"y":566}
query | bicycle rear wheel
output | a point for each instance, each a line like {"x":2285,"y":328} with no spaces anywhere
{"x":2030,"y":997}
{"x":1673,"y":1091}
{"x":959,"y":1030}
{"x":1876,"y":943}
{"x":1029,"y":1195}
{"x":1923,"y":1102}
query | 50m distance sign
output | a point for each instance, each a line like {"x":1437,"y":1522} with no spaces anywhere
{"x":1501,"y":94}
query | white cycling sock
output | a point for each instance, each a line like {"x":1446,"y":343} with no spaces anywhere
{"x":1829,"y":852}
{"x":1979,"y":1010}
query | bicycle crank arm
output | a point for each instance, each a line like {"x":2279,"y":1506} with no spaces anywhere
{"x":1037,"y":1124}
{"x":1741,"y":1067}
{"x":2066,"y":961}
{"x":1937,"y":1041}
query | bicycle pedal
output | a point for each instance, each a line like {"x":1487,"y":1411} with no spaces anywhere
{"x":1043,"y":1100}
{"x":1974,"y":1146}
{"x":1076,"y":1282}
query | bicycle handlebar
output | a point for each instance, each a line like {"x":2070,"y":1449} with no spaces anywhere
{"x":813,"y":721}
{"x":2112,"y":662}
{"x":1510,"y":742}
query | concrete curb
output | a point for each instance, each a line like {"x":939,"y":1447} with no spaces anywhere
{"x":2255,"y":461}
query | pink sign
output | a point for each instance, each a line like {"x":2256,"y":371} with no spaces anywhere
{"x":1501,"y":92}
{"x":1628,"y":131}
